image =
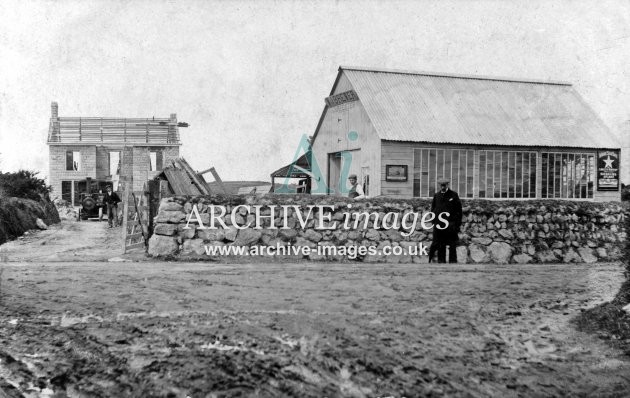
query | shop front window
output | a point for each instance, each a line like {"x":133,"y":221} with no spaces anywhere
{"x":507,"y":174}
{"x":567,"y":175}
{"x":431,"y":164}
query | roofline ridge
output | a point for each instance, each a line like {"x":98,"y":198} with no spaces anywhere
{"x":454,"y":75}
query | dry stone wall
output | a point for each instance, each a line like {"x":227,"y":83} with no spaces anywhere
{"x":491,"y":232}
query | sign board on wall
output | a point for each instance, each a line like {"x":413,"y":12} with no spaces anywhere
{"x":341,"y":98}
{"x":607,"y":171}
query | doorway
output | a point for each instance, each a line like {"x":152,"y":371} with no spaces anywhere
{"x":340,"y":166}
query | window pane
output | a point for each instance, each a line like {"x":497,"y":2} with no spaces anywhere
{"x":470,"y":173}
{"x":490,"y":181}
{"x":504,"y":174}
{"x":497,"y":174}
{"x":571,"y":176}
{"x":461,"y":189}
{"x":482,"y":174}
{"x":545,"y":175}
{"x":565,"y":176}
{"x":581,"y":171}
{"x":518,"y":177}
{"x":553,"y":175}
{"x":532,"y":174}
{"x":424,"y":183}
{"x":447,"y":164}
{"x":557,"y":176}
{"x":590,"y":174}
{"x":432,"y":171}
{"x":525,"y":173}
{"x":440,"y":163}
{"x":456,"y":171}
{"x":417,"y":172}
{"x":511,"y":174}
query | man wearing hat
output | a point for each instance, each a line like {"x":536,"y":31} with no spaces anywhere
{"x":445,"y":201}
{"x":356,"y":190}
{"x":111,"y":199}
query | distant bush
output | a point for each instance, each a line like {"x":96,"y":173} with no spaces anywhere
{"x":625,"y":192}
{"x":23,"y":184}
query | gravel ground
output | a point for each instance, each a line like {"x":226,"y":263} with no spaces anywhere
{"x":305,"y":330}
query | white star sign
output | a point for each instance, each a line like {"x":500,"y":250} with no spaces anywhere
{"x":609,"y":163}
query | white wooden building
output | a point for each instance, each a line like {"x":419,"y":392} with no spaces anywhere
{"x":401,"y":131}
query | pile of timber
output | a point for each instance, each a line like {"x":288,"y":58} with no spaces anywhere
{"x":183,"y":180}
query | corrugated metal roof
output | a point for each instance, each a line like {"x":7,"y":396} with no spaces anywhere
{"x":440,"y":108}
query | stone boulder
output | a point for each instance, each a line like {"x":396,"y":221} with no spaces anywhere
{"x":312,"y":235}
{"x":211,"y":234}
{"x":160,"y":245}
{"x":194,"y":246}
{"x":393,"y":235}
{"x":478,"y":254}
{"x":506,"y":233}
{"x":462,"y":255}
{"x":170,"y":206}
{"x":174,"y":217}
{"x":500,"y":252}
{"x":522,"y":258}
{"x":165,"y":229}
{"x":587,"y":255}
{"x":247,"y":237}
{"x":300,"y":242}
{"x":372,"y":235}
{"x":482,"y":240}
{"x":287,"y":234}
{"x":186,"y":233}
{"x":230,"y":233}
{"x":601,"y":252}
{"x":41,"y":224}
{"x":571,"y":257}
{"x":546,"y":256}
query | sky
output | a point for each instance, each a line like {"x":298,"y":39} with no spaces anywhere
{"x":250,"y":77}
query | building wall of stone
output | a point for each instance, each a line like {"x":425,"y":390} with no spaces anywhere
{"x":171,"y":153}
{"x":57,"y":165}
{"x":135,"y":164}
{"x":537,"y":231}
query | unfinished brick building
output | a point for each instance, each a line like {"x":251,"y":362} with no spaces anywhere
{"x":106,"y":149}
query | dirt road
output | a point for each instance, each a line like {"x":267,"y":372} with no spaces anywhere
{"x":67,"y":241}
{"x":305,"y":330}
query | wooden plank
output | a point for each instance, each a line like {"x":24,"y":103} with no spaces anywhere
{"x":182,"y":168}
{"x":193,"y":175}
{"x":140,"y":214}
{"x":178,"y":181}
{"x":218,"y":179}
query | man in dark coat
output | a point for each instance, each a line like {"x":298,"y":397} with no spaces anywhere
{"x":446,"y":201}
{"x":111,"y":199}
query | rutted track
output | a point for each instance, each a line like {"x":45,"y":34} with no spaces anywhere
{"x":172,"y":329}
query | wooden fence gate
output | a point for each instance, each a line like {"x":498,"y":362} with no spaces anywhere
{"x":139,"y":210}
{"x":136,"y":218}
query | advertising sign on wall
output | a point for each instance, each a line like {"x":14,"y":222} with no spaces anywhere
{"x":607,"y":171}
